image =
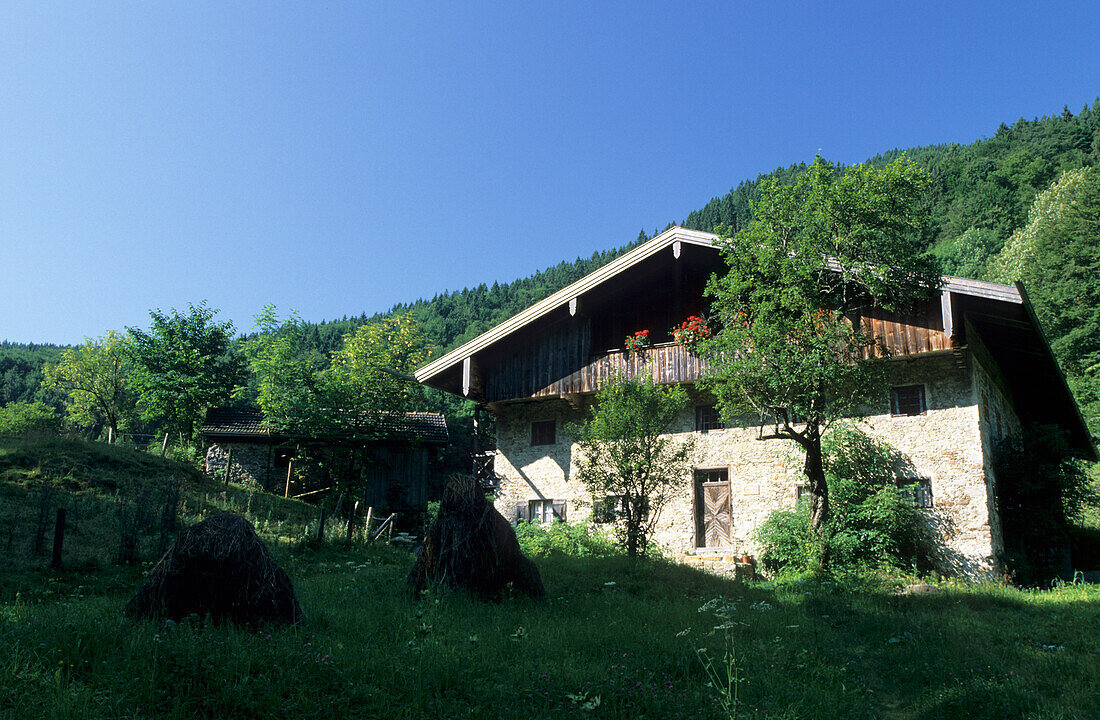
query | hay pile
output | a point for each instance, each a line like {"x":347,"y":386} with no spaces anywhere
{"x":471,"y":547}
{"x":218,"y":568}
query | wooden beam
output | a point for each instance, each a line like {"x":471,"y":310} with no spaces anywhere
{"x":466,"y":376}
{"x":676,"y":249}
{"x":573,"y":307}
{"x":945,"y":313}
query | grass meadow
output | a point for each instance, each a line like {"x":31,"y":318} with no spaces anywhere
{"x":613,"y":639}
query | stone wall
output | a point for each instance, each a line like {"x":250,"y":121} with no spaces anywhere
{"x":997,"y":419}
{"x":945,"y":444}
{"x":252,"y":463}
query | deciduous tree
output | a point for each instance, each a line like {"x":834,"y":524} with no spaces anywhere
{"x":183,"y":365}
{"x":816,"y":254}
{"x":95,"y":379}
{"x":628,"y":455}
{"x":352,"y":396}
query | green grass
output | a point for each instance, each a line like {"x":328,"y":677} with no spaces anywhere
{"x":804,"y":650}
{"x":102,"y":488}
{"x":613,"y":639}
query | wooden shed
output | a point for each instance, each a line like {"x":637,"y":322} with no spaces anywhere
{"x":396,"y":470}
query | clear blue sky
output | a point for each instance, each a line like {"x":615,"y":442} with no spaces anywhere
{"x":338,"y":158}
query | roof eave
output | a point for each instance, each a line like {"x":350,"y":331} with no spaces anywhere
{"x":666,"y":239}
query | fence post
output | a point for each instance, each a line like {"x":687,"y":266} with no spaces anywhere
{"x":164,"y":445}
{"x":58,"y":539}
{"x":321,"y":528}
{"x":228,"y":466}
{"x":351,"y":519}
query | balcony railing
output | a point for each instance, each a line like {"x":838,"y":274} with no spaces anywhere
{"x":665,"y":363}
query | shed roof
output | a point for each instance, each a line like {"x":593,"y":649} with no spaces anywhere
{"x":242,"y":423}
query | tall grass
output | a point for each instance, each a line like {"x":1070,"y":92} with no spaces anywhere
{"x":615,"y":639}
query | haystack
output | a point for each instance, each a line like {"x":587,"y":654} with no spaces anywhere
{"x":470,"y":546}
{"x":218,"y":568}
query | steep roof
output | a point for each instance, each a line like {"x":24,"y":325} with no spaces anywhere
{"x":669,"y":238}
{"x":243,"y":423}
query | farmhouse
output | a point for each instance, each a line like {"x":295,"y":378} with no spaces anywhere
{"x":397,"y":471}
{"x":967,"y":369}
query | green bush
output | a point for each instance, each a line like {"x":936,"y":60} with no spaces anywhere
{"x":872,"y":523}
{"x":19,"y":418}
{"x":1041,"y":491}
{"x":564,"y":538}
{"x":787,"y":541}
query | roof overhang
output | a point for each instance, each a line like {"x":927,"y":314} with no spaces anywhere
{"x":671,"y":238}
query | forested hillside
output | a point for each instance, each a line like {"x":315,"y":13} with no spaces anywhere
{"x":21,"y":372}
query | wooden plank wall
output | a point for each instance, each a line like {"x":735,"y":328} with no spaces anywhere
{"x":558,"y":362}
{"x":909,"y":333}
{"x":664,"y":363}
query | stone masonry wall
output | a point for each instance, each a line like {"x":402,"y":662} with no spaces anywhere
{"x":251,"y":463}
{"x":997,"y":420}
{"x":945,"y":445}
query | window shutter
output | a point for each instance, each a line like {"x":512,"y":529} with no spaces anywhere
{"x":559,"y":510}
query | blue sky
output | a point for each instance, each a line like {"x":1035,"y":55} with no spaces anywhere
{"x":338,"y":158}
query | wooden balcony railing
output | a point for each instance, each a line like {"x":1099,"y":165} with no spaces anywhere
{"x":665,"y":363}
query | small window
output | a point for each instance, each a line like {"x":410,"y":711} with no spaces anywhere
{"x":916,"y":490}
{"x":801,"y":494}
{"x":607,"y":509}
{"x":543,"y":433}
{"x":707,"y":419}
{"x":907,"y":400}
{"x":712,"y":476}
{"x":545,"y":511}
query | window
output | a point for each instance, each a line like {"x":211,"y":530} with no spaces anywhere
{"x":801,"y":494}
{"x":543,"y":433}
{"x":545,"y":511}
{"x":712,"y":476}
{"x":916,"y":490}
{"x":707,"y":418}
{"x":607,"y":509}
{"x":907,"y":400}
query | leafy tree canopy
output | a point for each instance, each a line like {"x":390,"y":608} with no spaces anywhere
{"x":1057,"y":257}
{"x":628,"y":455}
{"x":95,"y":379}
{"x":351,"y":391}
{"x":183,"y":366}
{"x":815,"y":255}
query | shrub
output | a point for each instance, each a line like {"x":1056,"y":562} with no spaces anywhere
{"x":1041,"y":490}
{"x":786,"y":539}
{"x":19,"y":418}
{"x":564,"y":538}
{"x":873,"y":523}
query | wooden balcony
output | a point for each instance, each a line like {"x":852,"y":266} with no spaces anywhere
{"x":665,"y":363}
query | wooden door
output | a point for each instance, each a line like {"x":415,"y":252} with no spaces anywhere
{"x":714,"y":521}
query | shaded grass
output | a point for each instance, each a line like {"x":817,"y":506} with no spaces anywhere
{"x":614,"y":639}
{"x":103,"y":488}
{"x":805,"y":649}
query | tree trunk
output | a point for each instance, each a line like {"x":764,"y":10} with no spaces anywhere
{"x":819,"y":491}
